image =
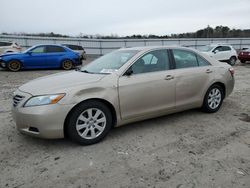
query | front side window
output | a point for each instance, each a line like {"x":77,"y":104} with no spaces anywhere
{"x":109,"y":63}
{"x":218,"y":49}
{"x":151,"y":62}
{"x":40,"y":49}
{"x":184,"y":59}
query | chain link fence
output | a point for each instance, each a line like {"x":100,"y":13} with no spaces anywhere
{"x":103,"y":46}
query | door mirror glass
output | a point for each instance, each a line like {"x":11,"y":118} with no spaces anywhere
{"x":216,"y":51}
{"x":129,"y":72}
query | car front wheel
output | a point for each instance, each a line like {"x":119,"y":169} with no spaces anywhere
{"x":89,"y":122}
{"x":213,"y":99}
{"x":14,"y":66}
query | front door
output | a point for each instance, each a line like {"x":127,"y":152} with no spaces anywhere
{"x":150,"y":88}
{"x":36,"y":58}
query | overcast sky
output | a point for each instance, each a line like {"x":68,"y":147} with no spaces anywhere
{"x":126,"y":17}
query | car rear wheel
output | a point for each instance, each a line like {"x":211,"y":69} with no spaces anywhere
{"x":242,"y":61}
{"x":232,"y":60}
{"x":67,"y":64}
{"x":213,"y":99}
{"x":89,"y":122}
{"x":14,"y":65}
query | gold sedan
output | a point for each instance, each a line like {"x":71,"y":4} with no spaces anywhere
{"x":124,"y":86}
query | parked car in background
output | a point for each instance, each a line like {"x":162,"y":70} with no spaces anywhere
{"x":8,"y":47}
{"x":41,"y":56}
{"x":121,"y":87}
{"x":221,"y":52}
{"x":244,"y":54}
{"x":78,"y":49}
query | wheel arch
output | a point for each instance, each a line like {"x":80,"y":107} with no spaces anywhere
{"x":222,"y":85}
{"x":15,"y":59}
{"x":107,"y":103}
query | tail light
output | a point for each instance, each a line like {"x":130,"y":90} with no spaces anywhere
{"x":231,"y":70}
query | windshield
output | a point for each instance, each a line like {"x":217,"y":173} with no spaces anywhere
{"x":109,"y":63}
{"x":206,"y":48}
{"x":28,"y":49}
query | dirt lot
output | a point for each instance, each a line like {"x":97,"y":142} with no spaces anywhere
{"x":184,"y":150}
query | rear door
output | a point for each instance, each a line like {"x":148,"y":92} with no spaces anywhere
{"x":54,"y":55}
{"x":150,"y":88}
{"x":192,"y":75}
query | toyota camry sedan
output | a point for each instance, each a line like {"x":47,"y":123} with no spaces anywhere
{"x":124,"y":86}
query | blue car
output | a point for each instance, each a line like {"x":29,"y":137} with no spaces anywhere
{"x":41,"y":57}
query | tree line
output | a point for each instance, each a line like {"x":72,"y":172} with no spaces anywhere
{"x":208,"y":32}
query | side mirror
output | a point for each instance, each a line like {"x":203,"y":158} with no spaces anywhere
{"x":129,"y":72}
{"x":29,"y":52}
{"x":216,"y":51}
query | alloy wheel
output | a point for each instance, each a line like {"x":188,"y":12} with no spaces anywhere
{"x":214,"y":98}
{"x":91,"y":123}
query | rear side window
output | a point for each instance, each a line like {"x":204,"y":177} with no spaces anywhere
{"x":54,"y":49}
{"x":184,"y":59}
{"x":202,"y":61}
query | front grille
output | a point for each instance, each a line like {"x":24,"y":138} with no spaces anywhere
{"x":17,"y":99}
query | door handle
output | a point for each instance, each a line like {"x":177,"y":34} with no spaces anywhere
{"x":169,"y":77}
{"x":209,"y":71}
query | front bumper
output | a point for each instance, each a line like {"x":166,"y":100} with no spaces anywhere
{"x":45,"y":121}
{"x":2,"y":63}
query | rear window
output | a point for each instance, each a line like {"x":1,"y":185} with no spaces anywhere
{"x":74,"y":47}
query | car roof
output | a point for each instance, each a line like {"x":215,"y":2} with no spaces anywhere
{"x":219,"y":44}
{"x":147,"y":48}
{"x":48,"y":45}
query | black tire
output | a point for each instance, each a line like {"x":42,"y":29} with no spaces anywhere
{"x":232,"y":60}
{"x":242,"y":61}
{"x":67,"y":64}
{"x":78,"y":111}
{"x":207,"y":106}
{"x":14,"y":65}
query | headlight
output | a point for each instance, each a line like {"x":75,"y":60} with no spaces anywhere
{"x":44,"y":100}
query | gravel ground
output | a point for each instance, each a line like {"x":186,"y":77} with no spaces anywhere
{"x":184,"y":150}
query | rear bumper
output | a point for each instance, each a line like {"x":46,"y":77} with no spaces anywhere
{"x":244,"y":58}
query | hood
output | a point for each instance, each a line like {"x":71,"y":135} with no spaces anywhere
{"x":10,"y":54}
{"x":59,"y":83}
{"x":210,"y":54}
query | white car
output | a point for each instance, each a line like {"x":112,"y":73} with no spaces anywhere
{"x":221,"y":52}
{"x":8,"y":47}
